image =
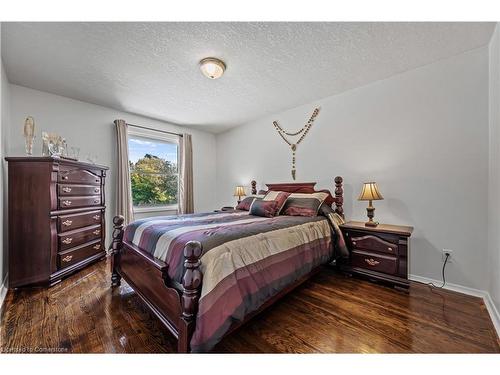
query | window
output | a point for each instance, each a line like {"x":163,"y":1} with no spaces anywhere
{"x":154,"y":176}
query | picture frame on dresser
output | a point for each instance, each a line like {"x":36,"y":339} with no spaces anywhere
{"x":56,"y":218}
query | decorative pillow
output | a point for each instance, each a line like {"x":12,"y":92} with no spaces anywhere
{"x":302,"y":204}
{"x":279,"y":196}
{"x":263,"y":208}
{"x":247,"y":202}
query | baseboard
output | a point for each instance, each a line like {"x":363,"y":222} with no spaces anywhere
{"x":450,"y":286}
{"x":3,"y":291}
{"x":492,"y":309}
{"x":488,"y":302}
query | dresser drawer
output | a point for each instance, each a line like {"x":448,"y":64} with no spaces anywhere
{"x":77,"y":254}
{"x":374,"y":262}
{"x":373,"y":243}
{"x":77,"y":237}
{"x":78,"y":176}
{"x":69,"y":190}
{"x":75,"y":202}
{"x":69,"y":222}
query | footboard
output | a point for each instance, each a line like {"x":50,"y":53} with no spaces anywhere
{"x":174,"y":304}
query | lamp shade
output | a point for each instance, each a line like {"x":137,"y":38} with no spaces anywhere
{"x":370,"y":192}
{"x":239,"y":191}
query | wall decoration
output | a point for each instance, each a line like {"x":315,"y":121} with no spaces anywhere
{"x":29,"y":134}
{"x":302,"y":132}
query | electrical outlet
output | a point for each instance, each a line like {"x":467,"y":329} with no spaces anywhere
{"x":448,"y":251}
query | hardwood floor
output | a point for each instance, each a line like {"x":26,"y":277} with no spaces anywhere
{"x":330,"y":313}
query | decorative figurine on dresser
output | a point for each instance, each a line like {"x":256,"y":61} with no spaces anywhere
{"x":56,"y":218}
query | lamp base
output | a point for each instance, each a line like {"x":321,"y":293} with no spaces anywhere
{"x":370,"y":212}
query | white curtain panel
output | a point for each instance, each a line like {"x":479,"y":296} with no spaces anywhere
{"x":123,"y":189}
{"x":186,"y":201}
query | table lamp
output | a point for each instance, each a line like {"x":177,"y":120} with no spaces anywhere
{"x":370,"y":193}
{"x":239,"y":192}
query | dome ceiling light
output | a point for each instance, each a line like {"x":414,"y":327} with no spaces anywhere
{"x":212,"y":68}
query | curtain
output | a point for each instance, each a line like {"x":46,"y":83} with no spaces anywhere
{"x":186,"y":201}
{"x":123,"y":189}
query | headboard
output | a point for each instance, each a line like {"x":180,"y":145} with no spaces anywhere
{"x":308,"y":187}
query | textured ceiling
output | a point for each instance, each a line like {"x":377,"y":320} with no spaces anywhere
{"x":152,"y":68}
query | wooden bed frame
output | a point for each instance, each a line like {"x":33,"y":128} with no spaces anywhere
{"x":176,"y":304}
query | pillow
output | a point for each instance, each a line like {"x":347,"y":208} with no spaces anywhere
{"x":263,"y":208}
{"x":302,"y":204}
{"x":247,"y":202}
{"x":279,"y":196}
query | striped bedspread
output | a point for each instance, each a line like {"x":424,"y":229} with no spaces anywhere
{"x":245,"y":261}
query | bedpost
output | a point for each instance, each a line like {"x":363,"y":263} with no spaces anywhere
{"x":339,"y":196}
{"x":116,"y":247}
{"x":191,"y":283}
{"x":254,"y":187}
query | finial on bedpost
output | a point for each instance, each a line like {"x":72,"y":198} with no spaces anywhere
{"x":339,"y":196}
{"x":254,"y":187}
{"x":116,"y":247}
{"x":191,"y":283}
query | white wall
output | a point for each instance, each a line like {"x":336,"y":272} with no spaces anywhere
{"x":422,"y":135}
{"x":90,"y":127}
{"x":4,"y":117}
{"x":494,"y":170}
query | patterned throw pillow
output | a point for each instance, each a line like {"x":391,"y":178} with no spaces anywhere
{"x":302,"y":204}
{"x":263,"y":208}
{"x":279,"y":196}
{"x":247,"y":202}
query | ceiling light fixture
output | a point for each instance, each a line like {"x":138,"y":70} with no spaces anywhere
{"x":212,"y":68}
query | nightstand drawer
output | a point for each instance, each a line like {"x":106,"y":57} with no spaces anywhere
{"x":373,"y":243}
{"x":375,"y":262}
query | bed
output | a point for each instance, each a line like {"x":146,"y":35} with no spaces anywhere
{"x":204,"y":275}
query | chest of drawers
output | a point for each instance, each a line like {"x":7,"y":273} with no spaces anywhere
{"x":380,"y":253}
{"x":56,"y":218}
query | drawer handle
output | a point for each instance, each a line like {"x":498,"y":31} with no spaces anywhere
{"x":67,"y":258}
{"x":64,"y":177}
{"x":371,"y":262}
{"x":67,"y":223}
{"x":96,"y":217}
{"x":67,"y":240}
{"x":96,"y":180}
{"x":389,"y":248}
{"x":96,"y":201}
{"x":67,"y":189}
{"x":66,"y":203}
{"x":96,"y":190}
{"x":97,"y":247}
{"x":354,"y":243}
{"x":97,"y":231}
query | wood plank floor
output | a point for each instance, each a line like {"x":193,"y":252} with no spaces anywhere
{"x":330,"y":313}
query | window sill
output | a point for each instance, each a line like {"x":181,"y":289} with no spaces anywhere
{"x":155,"y":209}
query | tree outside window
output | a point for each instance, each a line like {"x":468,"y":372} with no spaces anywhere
{"x":153,"y":172}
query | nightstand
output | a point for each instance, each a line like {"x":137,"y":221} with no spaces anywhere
{"x":379,"y":253}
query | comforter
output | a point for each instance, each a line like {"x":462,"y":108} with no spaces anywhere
{"x":245,"y":260}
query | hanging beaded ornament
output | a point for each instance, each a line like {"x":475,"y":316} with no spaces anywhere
{"x":302,"y":132}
